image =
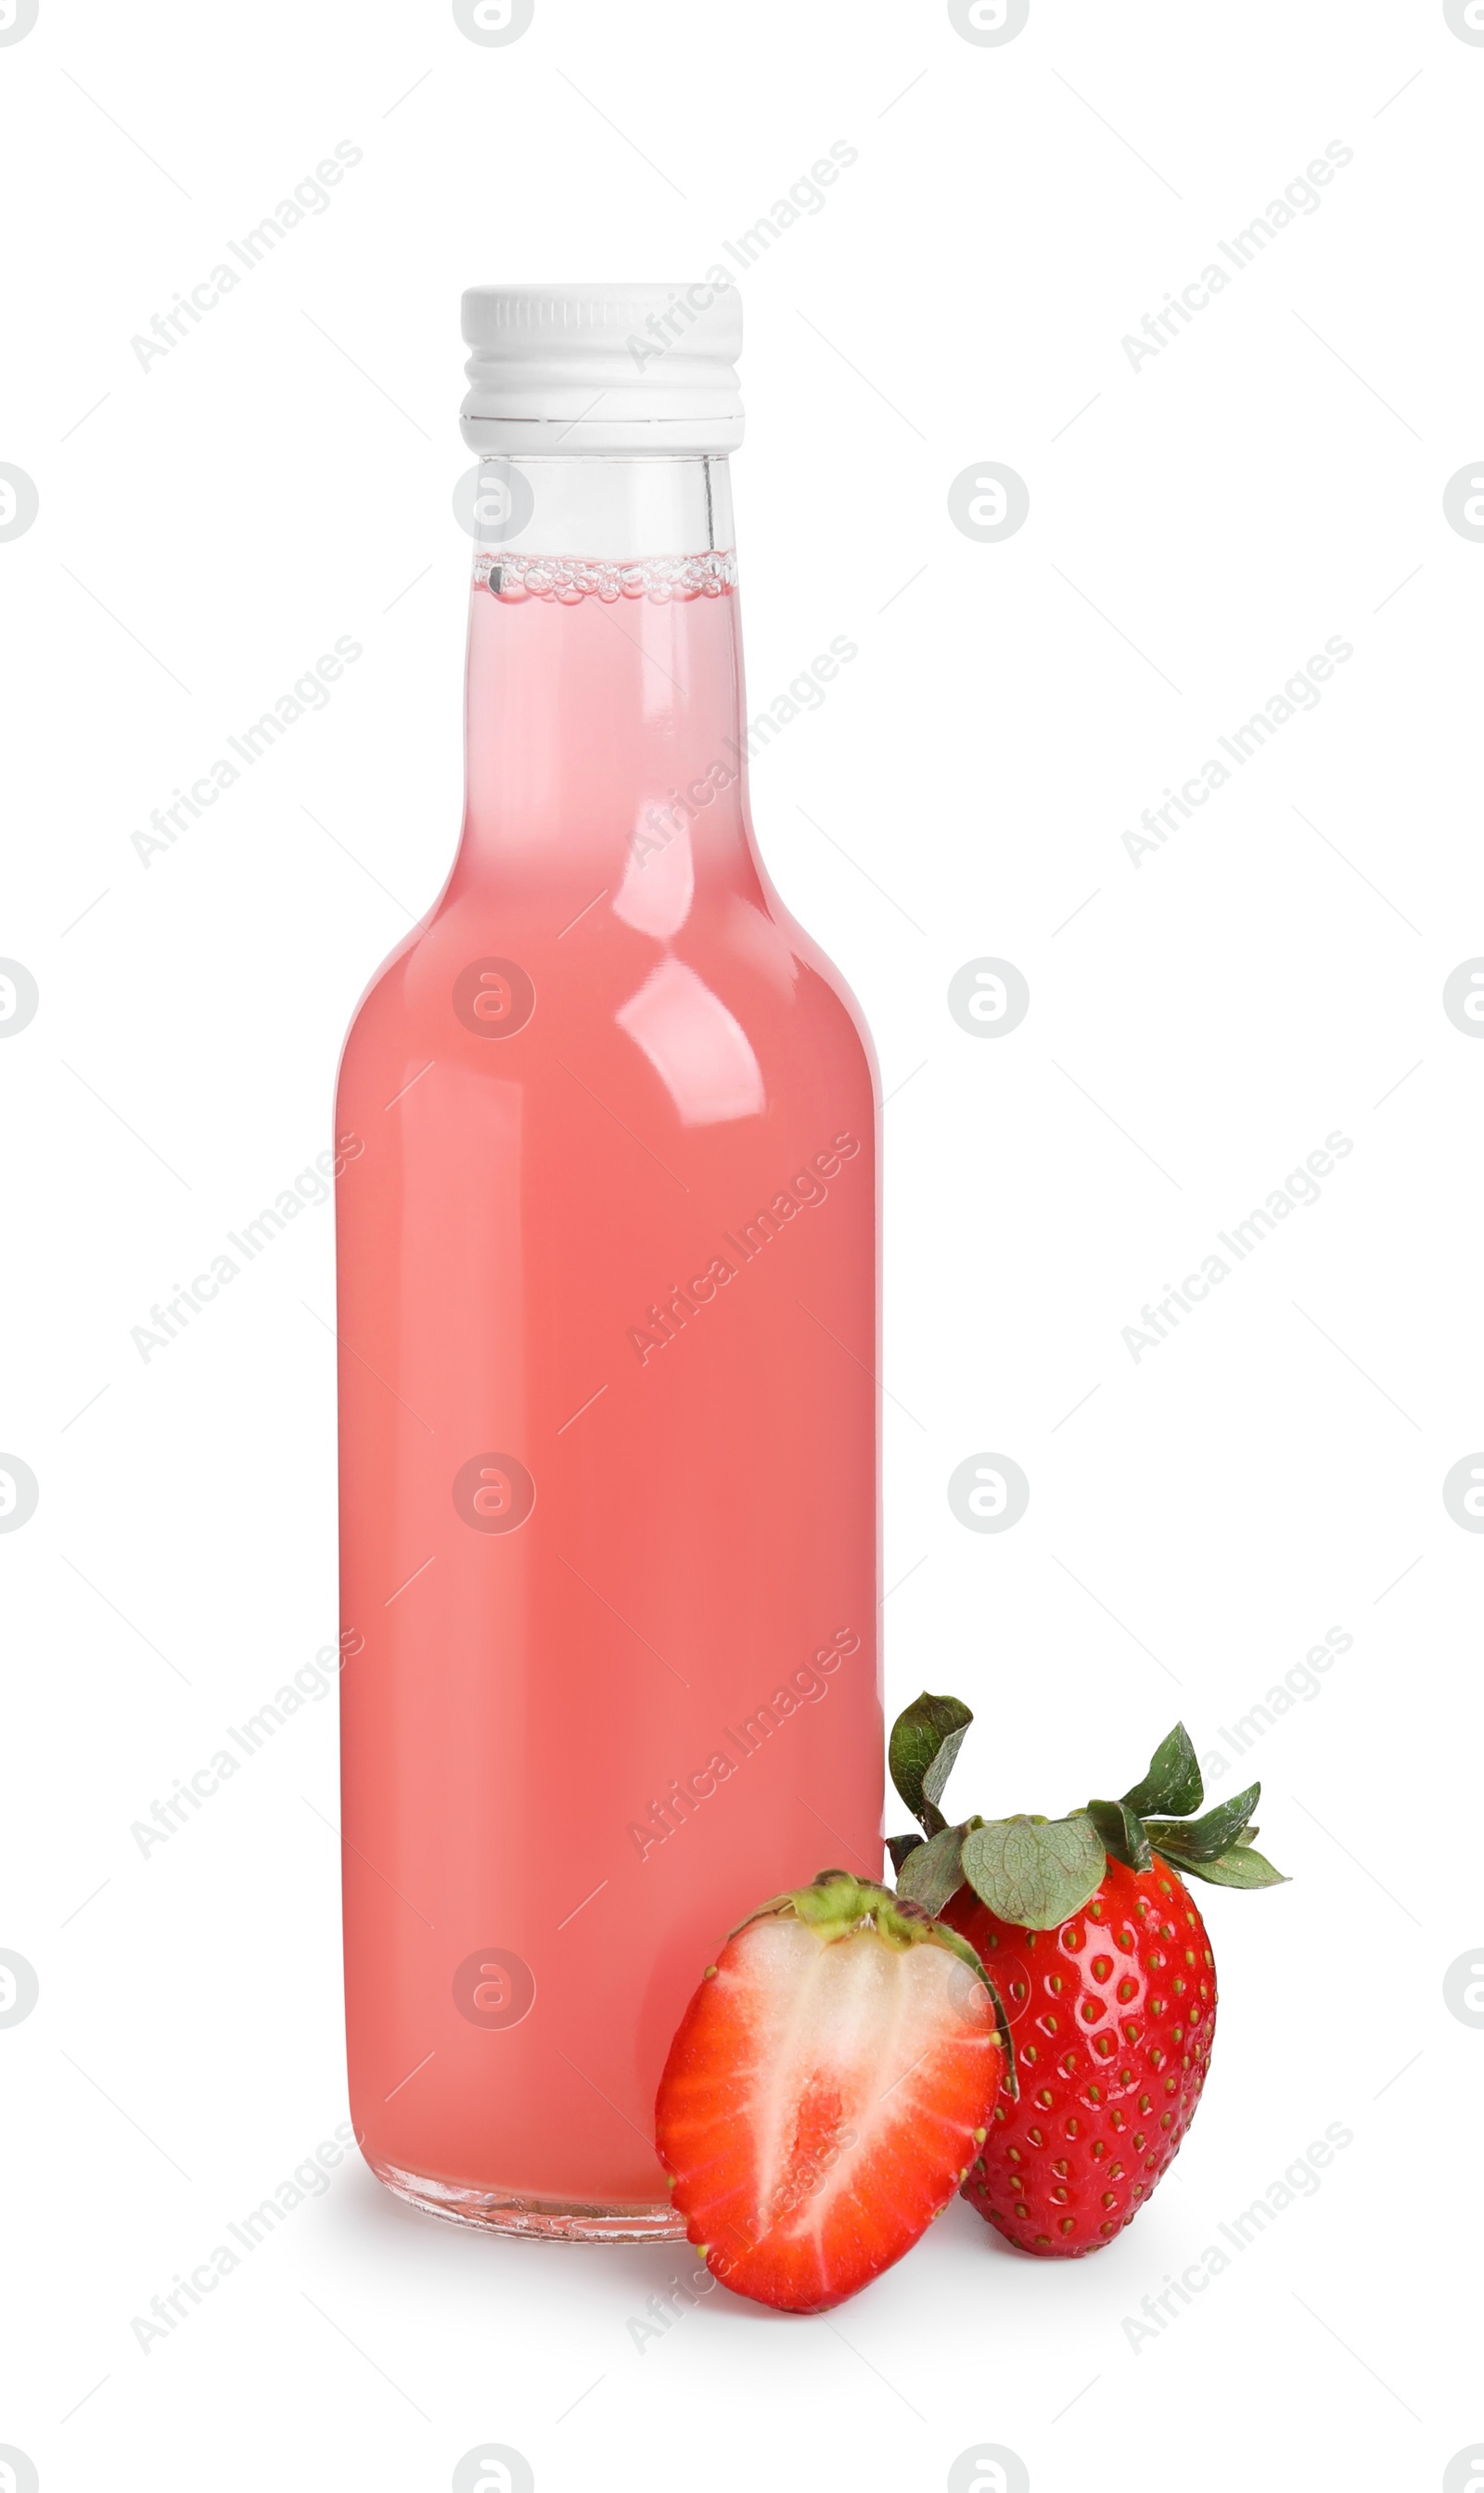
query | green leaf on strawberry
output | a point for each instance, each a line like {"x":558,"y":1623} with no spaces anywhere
{"x":935,"y":1871}
{"x":1241,"y":1867}
{"x":1206,"y":1838}
{"x":925,"y":1740}
{"x":1124,"y":1834}
{"x":1172,"y":1787}
{"x":1034,"y":1871}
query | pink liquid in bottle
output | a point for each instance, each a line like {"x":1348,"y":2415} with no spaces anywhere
{"x":608,"y":1252}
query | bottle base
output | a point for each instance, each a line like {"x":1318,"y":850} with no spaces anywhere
{"x":546,"y":2220}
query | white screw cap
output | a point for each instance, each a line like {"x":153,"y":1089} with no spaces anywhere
{"x":567,"y":369}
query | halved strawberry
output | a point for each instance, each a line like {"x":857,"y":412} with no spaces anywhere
{"x":827,"y":2092}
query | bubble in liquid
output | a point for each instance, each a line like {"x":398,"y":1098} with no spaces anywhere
{"x":568,"y":578}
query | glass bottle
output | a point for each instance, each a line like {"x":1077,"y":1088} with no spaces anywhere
{"x":608,"y":1234}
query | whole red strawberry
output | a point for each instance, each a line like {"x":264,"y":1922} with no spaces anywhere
{"x":1097,"y":1945}
{"x":1112,"y":2014}
{"x":827,"y":2090}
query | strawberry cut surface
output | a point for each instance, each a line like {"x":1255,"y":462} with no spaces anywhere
{"x":1111,"y":2015}
{"x":827,"y":2092}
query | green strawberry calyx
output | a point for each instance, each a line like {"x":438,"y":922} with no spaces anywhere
{"x":1035,"y":1872}
{"x":837,"y":1904}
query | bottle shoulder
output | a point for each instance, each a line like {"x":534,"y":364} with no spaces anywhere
{"x":760,"y":953}
{"x":739,"y":983}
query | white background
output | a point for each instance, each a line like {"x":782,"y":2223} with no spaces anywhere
{"x":1198,"y":1024}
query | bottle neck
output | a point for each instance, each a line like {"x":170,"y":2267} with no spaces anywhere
{"x":604,"y":700}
